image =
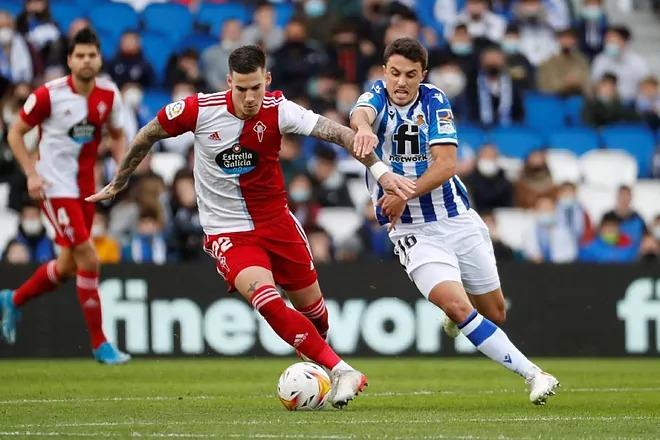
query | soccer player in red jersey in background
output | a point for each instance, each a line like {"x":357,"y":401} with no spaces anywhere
{"x":70,"y":112}
{"x":250,"y":232}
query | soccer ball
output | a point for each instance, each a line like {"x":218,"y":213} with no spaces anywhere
{"x":303,"y":386}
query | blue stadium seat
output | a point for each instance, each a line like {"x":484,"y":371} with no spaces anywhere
{"x":14,"y":7}
{"x":515,"y":141}
{"x":64,"y":13}
{"x":114,"y":17}
{"x":637,"y":140}
{"x":543,"y":112}
{"x":470,"y":135}
{"x":109,"y":43}
{"x":577,"y":139}
{"x":170,"y":19}
{"x":283,"y":13}
{"x":573,"y":110}
{"x":214,"y":15}
{"x":424,"y":12}
{"x":157,"y":50}
{"x":197,"y":41}
{"x":154,"y":99}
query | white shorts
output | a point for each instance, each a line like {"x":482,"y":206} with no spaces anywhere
{"x":450,"y":249}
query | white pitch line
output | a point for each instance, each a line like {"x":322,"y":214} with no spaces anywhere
{"x":103,"y":399}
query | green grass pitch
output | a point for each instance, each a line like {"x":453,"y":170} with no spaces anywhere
{"x":431,"y":398}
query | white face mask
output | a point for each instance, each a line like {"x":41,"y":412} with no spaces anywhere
{"x":546,"y":219}
{"x":6,"y":35}
{"x":487,"y":167}
{"x":133,"y":97}
{"x":32,"y":226}
{"x":451,"y":82}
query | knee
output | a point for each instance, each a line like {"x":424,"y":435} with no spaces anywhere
{"x":66,"y":268}
{"x":457,"y":310}
{"x":86,"y":259}
{"x":498,"y":315}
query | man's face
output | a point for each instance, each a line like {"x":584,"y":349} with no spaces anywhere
{"x":84,"y":61}
{"x":402,"y":78}
{"x":247,"y":91}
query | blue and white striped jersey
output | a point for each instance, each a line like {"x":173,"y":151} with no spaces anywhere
{"x":405,"y":135}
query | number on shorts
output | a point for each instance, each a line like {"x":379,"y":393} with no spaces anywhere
{"x":220,"y":246}
{"x":62,"y":217}
{"x":402,"y":247}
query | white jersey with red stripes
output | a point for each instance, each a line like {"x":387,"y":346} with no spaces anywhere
{"x":238,"y":178}
{"x":70,"y":132}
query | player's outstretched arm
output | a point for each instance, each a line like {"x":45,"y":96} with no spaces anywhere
{"x":338,"y":134}
{"x":139,"y":148}
{"x":365,"y":138}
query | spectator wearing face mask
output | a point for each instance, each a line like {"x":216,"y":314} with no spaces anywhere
{"x":36,"y":24}
{"x":32,"y":234}
{"x":107,"y":248}
{"x":548,"y":240}
{"x":520,"y":69}
{"x":461,"y":49}
{"x":611,"y":245}
{"x":301,"y":202}
{"x":535,"y":181}
{"x":264,"y":31}
{"x":214,"y":58}
{"x":480,"y":21}
{"x":537,"y":36}
{"x":617,"y":58}
{"x":135,"y":114}
{"x":605,"y":107}
{"x":647,"y":102}
{"x":488,"y":185}
{"x":567,"y":72}
{"x":571,"y":213}
{"x":494,"y":99}
{"x":15,"y":60}
{"x":449,"y":77}
{"x":591,"y":26}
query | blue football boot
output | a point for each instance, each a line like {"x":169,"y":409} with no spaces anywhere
{"x":110,"y":355}
{"x":9,"y":315}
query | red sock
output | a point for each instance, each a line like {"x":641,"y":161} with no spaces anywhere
{"x":293,"y":327}
{"x":43,"y":280}
{"x":87,"y":283}
{"x":318,"y":314}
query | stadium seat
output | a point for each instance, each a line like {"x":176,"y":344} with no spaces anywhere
{"x":596,"y":200}
{"x":573,"y":110}
{"x":214,"y":15}
{"x":512,"y":223}
{"x":109,"y":43}
{"x":170,"y":19}
{"x":646,"y":198}
{"x":14,"y":7}
{"x":577,"y":139}
{"x":636,"y":140}
{"x":340,"y":223}
{"x":8,"y":227}
{"x":166,"y":165}
{"x":470,"y":135}
{"x":154,"y":99}
{"x":357,"y":189}
{"x":114,"y":17}
{"x":516,"y":141}
{"x":564,"y":165}
{"x":64,"y":13}
{"x":608,"y":168}
{"x":283,"y":13}
{"x":544,"y":112}
{"x":198,"y":41}
{"x":157,"y":50}
{"x":425,"y":13}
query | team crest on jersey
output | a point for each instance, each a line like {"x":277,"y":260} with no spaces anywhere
{"x":174,"y":109}
{"x":445,"y":121}
{"x":30,"y":102}
{"x":237,"y":160}
{"x":260,"y":129}
{"x":83,"y":132}
{"x":365,"y":97}
{"x":101,"y":108}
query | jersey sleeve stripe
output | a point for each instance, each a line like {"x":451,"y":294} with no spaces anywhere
{"x":443,"y":141}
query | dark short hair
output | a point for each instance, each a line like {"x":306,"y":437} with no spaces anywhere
{"x":247,"y":59}
{"x":408,"y":48}
{"x":622,"y":31}
{"x":84,"y":36}
{"x":625,"y":187}
{"x":610,"y":217}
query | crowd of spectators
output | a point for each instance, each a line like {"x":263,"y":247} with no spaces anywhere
{"x":486,"y":55}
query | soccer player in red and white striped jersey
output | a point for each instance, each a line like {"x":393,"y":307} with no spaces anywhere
{"x":249,"y":229}
{"x":71,"y":113}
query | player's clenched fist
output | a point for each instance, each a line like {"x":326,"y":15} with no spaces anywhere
{"x":365,"y":142}
{"x":36,"y":185}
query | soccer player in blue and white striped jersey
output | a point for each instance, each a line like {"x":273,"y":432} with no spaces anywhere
{"x":442,"y":243}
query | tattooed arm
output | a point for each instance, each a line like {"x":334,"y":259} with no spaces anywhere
{"x":139,"y":148}
{"x":338,"y":134}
